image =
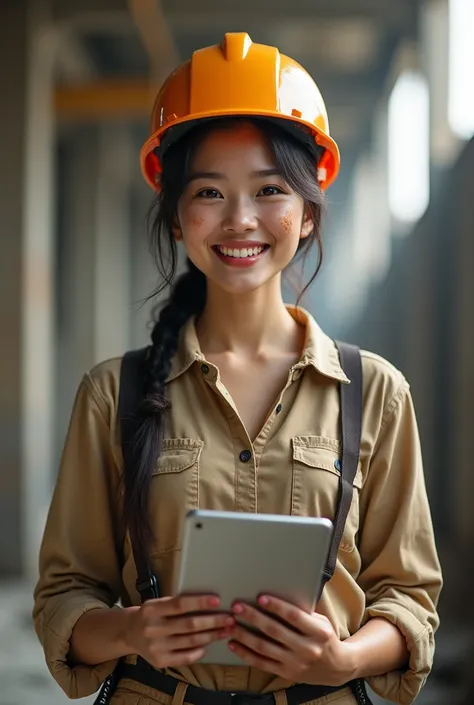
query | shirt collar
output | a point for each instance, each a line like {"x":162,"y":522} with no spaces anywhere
{"x":319,"y":349}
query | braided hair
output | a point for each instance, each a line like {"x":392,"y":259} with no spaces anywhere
{"x":296,"y":162}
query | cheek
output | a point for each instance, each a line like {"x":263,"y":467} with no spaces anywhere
{"x":287,"y":220}
{"x":197,"y":222}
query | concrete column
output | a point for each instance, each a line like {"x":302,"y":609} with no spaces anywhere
{"x":27,"y":48}
{"x":462,"y":354}
{"x":113,"y":304}
{"x":434,"y":26}
{"x":95,"y":271}
{"x":77,"y":185}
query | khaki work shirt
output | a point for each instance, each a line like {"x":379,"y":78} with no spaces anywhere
{"x":387,"y":563}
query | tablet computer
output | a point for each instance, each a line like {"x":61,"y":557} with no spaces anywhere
{"x":239,"y":556}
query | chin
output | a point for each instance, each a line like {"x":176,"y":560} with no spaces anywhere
{"x":240,"y":286}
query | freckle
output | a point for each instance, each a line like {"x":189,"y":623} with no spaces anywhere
{"x":287,"y":222}
{"x":197,"y":222}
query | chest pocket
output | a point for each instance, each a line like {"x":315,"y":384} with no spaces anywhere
{"x":315,"y":484}
{"x":174,"y":490}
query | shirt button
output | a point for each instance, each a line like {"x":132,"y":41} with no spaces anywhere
{"x":205,"y":369}
{"x":278,"y":409}
{"x":245,"y":456}
{"x":337,"y":465}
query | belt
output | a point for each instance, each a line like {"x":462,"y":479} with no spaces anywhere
{"x":146,"y":675}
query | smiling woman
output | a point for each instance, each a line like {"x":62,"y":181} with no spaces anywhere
{"x":251,"y":188}
{"x":238,"y":410}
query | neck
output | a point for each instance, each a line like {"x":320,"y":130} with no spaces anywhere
{"x":251,"y":324}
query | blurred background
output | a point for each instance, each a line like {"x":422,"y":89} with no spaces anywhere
{"x":77,"y":80}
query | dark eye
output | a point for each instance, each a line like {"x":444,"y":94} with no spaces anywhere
{"x":208,"y":193}
{"x":270,"y":191}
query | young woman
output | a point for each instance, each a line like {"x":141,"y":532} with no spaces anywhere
{"x":239,"y":411}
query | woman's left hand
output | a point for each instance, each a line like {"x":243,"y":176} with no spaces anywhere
{"x":304,"y":649}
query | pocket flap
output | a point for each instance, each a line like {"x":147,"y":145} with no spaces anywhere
{"x":177,"y":454}
{"x":323,"y":454}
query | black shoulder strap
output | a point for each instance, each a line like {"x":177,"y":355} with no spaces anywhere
{"x":130,"y":395}
{"x":351,"y":431}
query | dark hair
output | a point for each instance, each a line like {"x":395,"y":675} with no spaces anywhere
{"x":296,"y":162}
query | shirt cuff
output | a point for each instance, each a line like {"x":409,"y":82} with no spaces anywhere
{"x":403,"y":687}
{"x":77,"y":681}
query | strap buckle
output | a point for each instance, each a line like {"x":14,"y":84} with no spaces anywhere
{"x":148,"y":588}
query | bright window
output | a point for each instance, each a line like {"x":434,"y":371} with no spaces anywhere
{"x":461,"y":67}
{"x":408,"y":147}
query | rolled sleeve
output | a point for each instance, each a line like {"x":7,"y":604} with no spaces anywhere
{"x":400,"y":575}
{"x":80,"y":557}
{"x":77,"y":681}
{"x":404,"y":686}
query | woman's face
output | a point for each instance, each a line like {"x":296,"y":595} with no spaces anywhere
{"x":240,"y":221}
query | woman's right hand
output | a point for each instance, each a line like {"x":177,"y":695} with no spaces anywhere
{"x":174,"y":631}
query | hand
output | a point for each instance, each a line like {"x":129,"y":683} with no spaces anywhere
{"x":308,"y":651}
{"x":174,"y":631}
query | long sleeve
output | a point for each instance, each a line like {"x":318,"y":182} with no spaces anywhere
{"x":400,"y":574}
{"x":80,"y":561}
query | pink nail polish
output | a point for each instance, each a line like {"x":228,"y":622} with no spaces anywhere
{"x":214,"y":601}
{"x":238,"y":608}
{"x":264,"y":601}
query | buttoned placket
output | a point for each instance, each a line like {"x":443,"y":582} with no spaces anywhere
{"x":246,"y":457}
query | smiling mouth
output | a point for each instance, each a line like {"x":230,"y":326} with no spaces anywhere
{"x":240,"y":253}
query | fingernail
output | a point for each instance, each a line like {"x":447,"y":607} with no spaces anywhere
{"x":263,"y":600}
{"x":238,"y":608}
{"x":230,"y":621}
{"x":224,"y":633}
{"x":231,"y":646}
{"x":214,"y":601}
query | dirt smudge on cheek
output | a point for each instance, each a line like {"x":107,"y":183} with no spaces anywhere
{"x":286,"y":221}
{"x":197,"y":222}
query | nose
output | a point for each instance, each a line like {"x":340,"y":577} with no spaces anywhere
{"x":240,"y":216}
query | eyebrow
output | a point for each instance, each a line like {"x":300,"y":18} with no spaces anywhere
{"x":218,"y":175}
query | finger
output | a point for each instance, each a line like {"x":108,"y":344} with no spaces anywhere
{"x":198,"y":623}
{"x":191,"y":641}
{"x":256,"y":660}
{"x":183,"y":604}
{"x":269,"y":626}
{"x":260,"y":645}
{"x":185,"y":658}
{"x":309,"y":624}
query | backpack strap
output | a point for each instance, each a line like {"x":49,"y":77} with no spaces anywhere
{"x":351,"y":431}
{"x":130,"y":394}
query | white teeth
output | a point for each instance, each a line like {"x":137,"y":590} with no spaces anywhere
{"x":244,"y":252}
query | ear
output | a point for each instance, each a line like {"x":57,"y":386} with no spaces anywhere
{"x":177,"y":232}
{"x":307,"y":225}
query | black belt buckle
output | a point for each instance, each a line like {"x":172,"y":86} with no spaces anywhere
{"x":250,"y":699}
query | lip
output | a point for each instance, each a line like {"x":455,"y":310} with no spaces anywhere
{"x":241,"y":244}
{"x":237,"y":262}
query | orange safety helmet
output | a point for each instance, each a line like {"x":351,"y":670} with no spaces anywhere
{"x":239,"y":78}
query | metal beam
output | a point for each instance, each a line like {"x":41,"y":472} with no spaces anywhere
{"x":73,"y":63}
{"x":210,"y":15}
{"x":105,"y":100}
{"x":71,"y":10}
{"x":133,"y":98}
{"x":156,"y":38}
